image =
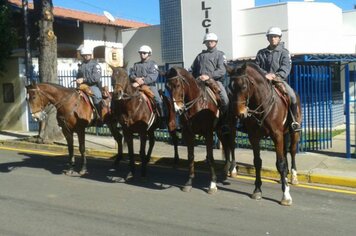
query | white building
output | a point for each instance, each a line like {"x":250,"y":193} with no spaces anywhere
{"x":308,"y":28}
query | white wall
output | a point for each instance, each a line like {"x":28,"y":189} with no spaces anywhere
{"x":253,"y":24}
{"x":133,"y":39}
{"x":216,"y":17}
{"x":349,"y":30}
{"x":107,"y":36}
{"x":314,"y":27}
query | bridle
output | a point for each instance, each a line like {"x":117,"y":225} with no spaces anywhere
{"x":41,"y":93}
{"x":264,"y":108}
{"x":189,"y":104}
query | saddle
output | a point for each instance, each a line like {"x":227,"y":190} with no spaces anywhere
{"x":86,"y":89}
{"x":216,"y":90}
{"x":281,"y":91}
{"x":86,"y":93}
{"x":147,"y":91}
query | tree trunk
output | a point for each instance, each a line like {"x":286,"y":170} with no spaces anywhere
{"x":49,"y":131}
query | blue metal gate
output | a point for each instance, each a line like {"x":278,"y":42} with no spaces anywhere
{"x":313,"y":84}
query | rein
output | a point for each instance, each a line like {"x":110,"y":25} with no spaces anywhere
{"x":260,"y":109}
{"x":189,"y":104}
{"x":58,"y":104}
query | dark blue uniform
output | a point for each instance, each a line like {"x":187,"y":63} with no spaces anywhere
{"x":211,"y":62}
{"x":149,"y":71}
{"x":90,"y":71}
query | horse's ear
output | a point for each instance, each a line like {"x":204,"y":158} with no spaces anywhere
{"x":229,"y":69}
{"x":33,"y":82}
{"x":111,"y":66}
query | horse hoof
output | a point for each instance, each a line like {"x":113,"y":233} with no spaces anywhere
{"x":257,"y":196}
{"x":129,"y":177}
{"x":286,"y":202}
{"x":212,"y":190}
{"x":70,"y":173}
{"x":187,"y":189}
{"x":295,"y":181}
{"x":83,"y":172}
{"x":233,"y":174}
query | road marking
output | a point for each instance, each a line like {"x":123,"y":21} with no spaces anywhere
{"x":328,"y":189}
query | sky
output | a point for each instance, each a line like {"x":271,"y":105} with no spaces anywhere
{"x":147,"y":11}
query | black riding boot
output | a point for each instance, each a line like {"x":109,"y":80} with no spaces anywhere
{"x":98,"y":118}
{"x":295,"y":125}
{"x":161,"y":116}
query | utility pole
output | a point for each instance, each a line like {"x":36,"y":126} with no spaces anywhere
{"x":28,"y":57}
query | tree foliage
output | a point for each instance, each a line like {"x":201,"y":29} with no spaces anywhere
{"x":8,"y":34}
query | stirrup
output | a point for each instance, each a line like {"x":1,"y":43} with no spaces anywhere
{"x":296,"y":126}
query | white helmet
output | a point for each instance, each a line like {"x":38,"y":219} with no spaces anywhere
{"x":145,"y":48}
{"x":86,"y":51}
{"x":274,"y":31}
{"x":210,"y":37}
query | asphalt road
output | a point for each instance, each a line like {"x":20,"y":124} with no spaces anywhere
{"x":37,"y":199}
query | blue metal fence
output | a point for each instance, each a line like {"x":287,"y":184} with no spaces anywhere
{"x":313,"y":84}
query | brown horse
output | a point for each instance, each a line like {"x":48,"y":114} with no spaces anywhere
{"x":264,"y":113}
{"x":136,"y":114}
{"x":198,"y":113}
{"x":74,"y":114}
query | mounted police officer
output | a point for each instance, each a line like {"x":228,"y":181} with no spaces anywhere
{"x":276,"y":62}
{"x":210,"y":64}
{"x":146,"y":72}
{"x":89,"y":73}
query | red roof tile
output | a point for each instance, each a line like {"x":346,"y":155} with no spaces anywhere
{"x":86,"y":16}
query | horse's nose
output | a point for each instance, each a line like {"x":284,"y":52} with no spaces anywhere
{"x":117,"y":95}
{"x":179,"y":109}
{"x":242,"y":113}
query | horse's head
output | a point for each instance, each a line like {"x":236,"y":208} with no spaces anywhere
{"x":176,"y":84}
{"x":36,"y":101}
{"x":240,"y":88}
{"x":120,"y":81}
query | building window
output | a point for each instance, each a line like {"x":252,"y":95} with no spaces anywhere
{"x":8,"y":91}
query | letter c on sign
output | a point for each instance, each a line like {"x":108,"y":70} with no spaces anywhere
{"x":206,"y":23}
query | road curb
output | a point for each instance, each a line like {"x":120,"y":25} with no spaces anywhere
{"x":243,"y":169}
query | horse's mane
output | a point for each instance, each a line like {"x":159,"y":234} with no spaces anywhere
{"x":255,"y":67}
{"x":57,"y":86}
{"x":178,"y":71}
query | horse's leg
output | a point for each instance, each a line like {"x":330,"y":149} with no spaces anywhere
{"x":257,"y":162}
{"x":174,"y":137}
{"x":129,"y":139}
{"x":209,"y":140}
{"x":232,"y":144}
{"x":294,"y":138}
{"x":81,"y":140}
{"x":143,"y":139}
{"x":71,"y":158}
{"x":151,"y":140}
{"x":115,"y":132}
{"x":189,"y":137}
{"x":282,"y":169}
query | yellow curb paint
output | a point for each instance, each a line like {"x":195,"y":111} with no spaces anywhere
{"x":33,"y":151}
{"x":335,"y":180}
{"x":327,"y":189}
{"x":301,"y":185}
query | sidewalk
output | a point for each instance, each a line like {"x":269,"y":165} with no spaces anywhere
{"x":325,"y":167}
